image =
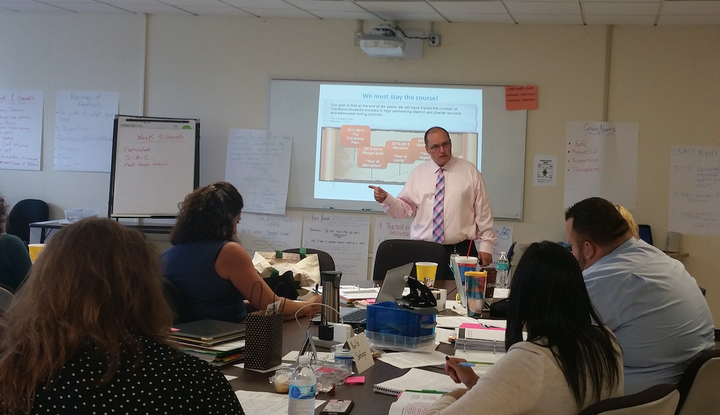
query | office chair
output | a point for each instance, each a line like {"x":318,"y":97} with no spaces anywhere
{"x":699,"y":385}
{"x":326,"y":260}
{"x":177,"y":302}
{"x":392,"y":253}
{"x":23,"y":214}
{"x":657,"y":400}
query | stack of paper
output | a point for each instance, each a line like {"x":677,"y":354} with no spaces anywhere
{"x":479,"y":336}
{"x":217,"y":342}
{"x":414,"y":403}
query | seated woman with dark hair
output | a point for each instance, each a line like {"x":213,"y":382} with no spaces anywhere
{"x":87,"y":332}
{"x":212,"y":270}
{"x":569,"y":361}
{"x":14,"y":258}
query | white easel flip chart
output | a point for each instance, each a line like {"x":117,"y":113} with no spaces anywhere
{"x":695,"y":190}
{"x":601,"y":160}
{"x":155,"y":165}
{"x":345,"y":237}
{"x":84,"y":130}
{"x":258,"y":165}
{"x":21,"y":114}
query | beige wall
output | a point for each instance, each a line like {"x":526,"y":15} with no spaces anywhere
{"x":218,"y":69}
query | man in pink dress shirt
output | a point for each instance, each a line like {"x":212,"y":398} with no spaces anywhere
{"x":467,"y":214}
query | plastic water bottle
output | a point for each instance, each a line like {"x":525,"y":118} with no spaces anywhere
{"x":502,"y":278}
{"x":302,"y":389}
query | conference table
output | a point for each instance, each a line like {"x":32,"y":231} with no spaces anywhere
{"x":366,"y":401}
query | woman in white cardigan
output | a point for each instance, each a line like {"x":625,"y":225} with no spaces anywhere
{"x":569,"y":361}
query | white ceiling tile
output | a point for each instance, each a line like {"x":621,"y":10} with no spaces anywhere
{"x":151,"y":8}
{"x":196,"y":3}
{"x":473,"y":7}
{"x":691,"y":7}
{"x":325,"y":5}
{"x":28,"y":6}
{"x":361,"y":14}
{"x":409,"y":7}
{"x":66,"y":1}
{"x":90,"y":7}
{"x":280,"y":13}
{"x":548,"y":19}
{"x":479,"y":18}
{"x":690,"y":20}
{"x":215,"y":11}
{"x":261,"y":4}
{"x":546,"y":8}
{"x":607,"y":8}
{"x":635,"y":20}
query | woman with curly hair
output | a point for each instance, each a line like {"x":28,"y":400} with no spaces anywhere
{"x":210,"y":268}
{"x":87,"y":334}
{"x":14,"y":258}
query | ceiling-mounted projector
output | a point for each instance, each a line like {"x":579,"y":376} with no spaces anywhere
{"x":383,"y":41}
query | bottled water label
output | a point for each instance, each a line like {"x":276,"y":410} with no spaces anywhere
{"x":302,"y":392}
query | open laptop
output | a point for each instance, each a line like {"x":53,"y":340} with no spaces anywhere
{"x":392,"y":288}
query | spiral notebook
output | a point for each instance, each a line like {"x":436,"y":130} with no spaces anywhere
{"x":417,"y":380}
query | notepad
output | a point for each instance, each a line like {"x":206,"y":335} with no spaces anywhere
{"x":419,"y":380}
{"x":208,"y":332}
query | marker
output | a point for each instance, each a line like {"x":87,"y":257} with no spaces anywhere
{"x":467,"y":364}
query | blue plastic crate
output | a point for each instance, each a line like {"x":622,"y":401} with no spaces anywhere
{"x":388,"y":318}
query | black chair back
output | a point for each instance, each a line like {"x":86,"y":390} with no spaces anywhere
{"x":23,"y":214}
{"x":392,"y":253}
{"x":657,"y":400}
{"x":326,"y":260}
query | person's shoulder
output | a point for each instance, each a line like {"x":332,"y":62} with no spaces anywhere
{"x":10,"y":239}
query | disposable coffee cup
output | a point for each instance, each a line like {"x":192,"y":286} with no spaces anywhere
{"x":465,"y":264}
{"x":475,"y":291}
{"x":34,"y":250}
{"x":426,"y":272}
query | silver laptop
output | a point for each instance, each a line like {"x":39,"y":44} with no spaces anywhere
{"x":392,"y":288}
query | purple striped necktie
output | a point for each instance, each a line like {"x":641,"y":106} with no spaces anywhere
{"x":438,"y":230}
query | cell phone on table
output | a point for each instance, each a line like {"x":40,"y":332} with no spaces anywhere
{"x":337,"y":407}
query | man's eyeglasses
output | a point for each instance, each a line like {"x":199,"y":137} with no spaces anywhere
{"x":436,"y":147}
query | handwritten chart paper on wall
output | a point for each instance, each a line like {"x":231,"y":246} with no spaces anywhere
{"x":258,"y":164}
{"x":258,"y":232}
{"x":345,"y":237}
{"x":84,"y":130}
{"x":601,"y":160}
{"x":21,"y":114}
{"x":695,"y":190}
{"x":389,"y":228}
{"x":154,"y":165}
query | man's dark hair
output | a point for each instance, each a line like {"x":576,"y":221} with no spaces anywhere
{"x":431,"y":129}
{"x":596,"y":219}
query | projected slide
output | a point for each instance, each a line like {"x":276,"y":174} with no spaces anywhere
{"x":374,"y":134}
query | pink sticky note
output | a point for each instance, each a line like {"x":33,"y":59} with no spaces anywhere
{"x":355,"y":380}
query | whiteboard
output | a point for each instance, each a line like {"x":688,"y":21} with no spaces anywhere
{"x":293,"y":110}
{"x":154,"y":165}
